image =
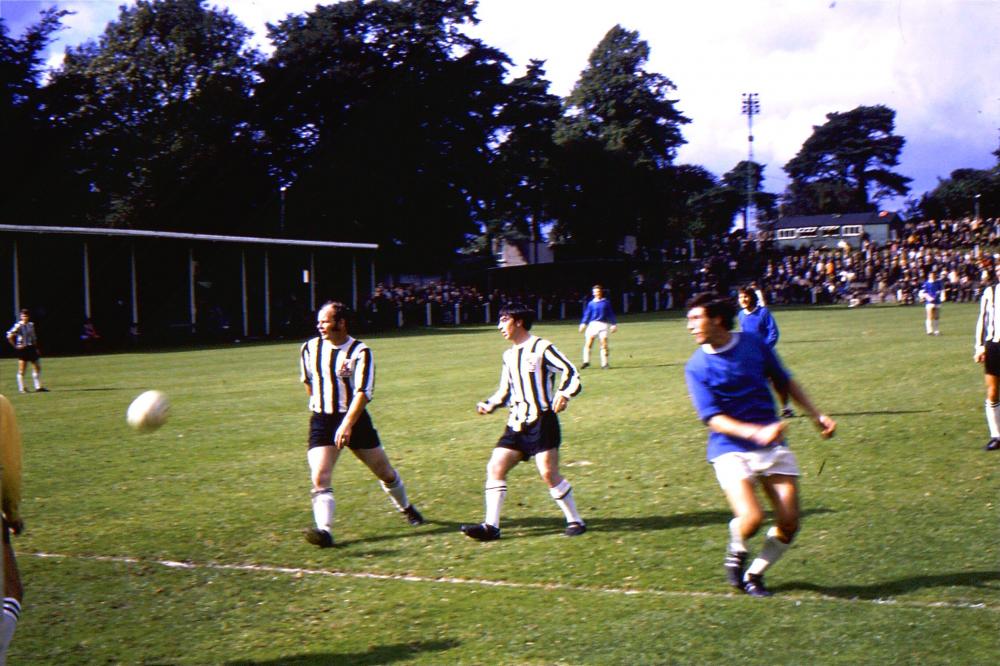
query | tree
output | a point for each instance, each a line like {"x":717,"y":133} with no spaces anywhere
{"x":620,"y":136}
{"x":962,"y":194}
{"x":764,"y":202}
{"x":380,"y":117}
{"x":29,"y":145}
{"x":846,"y":165}
{"x":158,"y":114}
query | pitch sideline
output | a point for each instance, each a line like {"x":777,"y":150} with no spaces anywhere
{"x":482,"y":582}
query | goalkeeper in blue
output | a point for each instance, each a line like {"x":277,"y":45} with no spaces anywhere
{"x":728,"y":380}
{"x":598,"y":321}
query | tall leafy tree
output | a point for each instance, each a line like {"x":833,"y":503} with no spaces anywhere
{"x":29,"y":145}
{"x":962,"y":193}
{"x":158,"y":110}
{"x":621,"y":132}
{"x":846,"y":165}
{"x":737,"y":180}
{"x":380,"y":117}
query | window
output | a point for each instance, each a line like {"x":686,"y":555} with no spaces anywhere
{"x":830,"y":232}
{"x":786,"y":234}
{"x":852,"y":230}
{"x":807,"y":232}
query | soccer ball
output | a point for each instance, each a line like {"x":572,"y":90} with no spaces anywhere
{"x":148,"y":412}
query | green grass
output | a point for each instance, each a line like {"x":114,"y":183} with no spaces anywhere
{"x":897,"y":561}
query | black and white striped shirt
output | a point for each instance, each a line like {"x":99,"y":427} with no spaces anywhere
{"x":336,"y":373}
{"x":988,"y":324}
{"x":528,"y":381}
{"x":24,"y":334}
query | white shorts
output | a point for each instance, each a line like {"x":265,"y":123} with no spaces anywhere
{"x":931,"y":307}
{"x":597,"y":329}
{"x":735,"y":466}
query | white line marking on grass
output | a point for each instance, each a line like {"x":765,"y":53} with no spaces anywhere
{"x":482,"y":582}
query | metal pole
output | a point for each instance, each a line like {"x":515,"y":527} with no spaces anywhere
{"x":354,"y":282}
{"x":86,"y":281}
{"x":751,"y":107}
{"x":191,"y":294}
{"x":135,"y":286}
{"x":243,"y":291}
{"x":312,"y":282}
{"x":267,"y":294}
{"x":17,"y":285}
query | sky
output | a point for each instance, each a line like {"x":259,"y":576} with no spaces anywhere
{"x":935,"y":62}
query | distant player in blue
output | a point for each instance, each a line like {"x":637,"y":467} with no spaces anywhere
{"x":932,"y":293}
{"x":755,"y":318}
{"x":727,"y":378}
{"x":597,"y":322}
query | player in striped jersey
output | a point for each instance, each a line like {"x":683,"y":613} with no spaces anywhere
{"x":339,"y":375}
{"x":528,"y":386}
{"x":23,"y":338}
{"x":987,"y":352}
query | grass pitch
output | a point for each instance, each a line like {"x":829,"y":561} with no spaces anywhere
{"x":184,"y":546}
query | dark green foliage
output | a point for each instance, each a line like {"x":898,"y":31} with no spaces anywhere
{"x":846,"y":165}
{"x":958,"y":195}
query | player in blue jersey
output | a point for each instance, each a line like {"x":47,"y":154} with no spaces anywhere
{"x":727,"y":378}
{"x":931,"y":293}
{"x":755,"y":318}
{"x":597,"y":322}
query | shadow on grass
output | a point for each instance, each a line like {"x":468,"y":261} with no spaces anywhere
{"x":974,"y":579}
{"x":882,"y":412}
{"x":382,"y":654}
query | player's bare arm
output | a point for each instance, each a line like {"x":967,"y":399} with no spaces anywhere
{"x":824,"y":423}
{"x":343,"y":435}
{"x":762,"y":435}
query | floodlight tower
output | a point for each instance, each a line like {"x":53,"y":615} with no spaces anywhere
{"x":751,"y":107}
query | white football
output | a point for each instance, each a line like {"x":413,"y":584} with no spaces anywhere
{"x":148,"y":412}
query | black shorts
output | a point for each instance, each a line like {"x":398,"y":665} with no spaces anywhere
{"x":322,"y":428}
{"x":29,"y":353}
{"x":541,"y":435}
{"x":992,"y":363}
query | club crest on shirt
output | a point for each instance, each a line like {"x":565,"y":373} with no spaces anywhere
{"x":345,"y":368}
{"x":531,"y":360}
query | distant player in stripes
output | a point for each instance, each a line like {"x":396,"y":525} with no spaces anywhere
{"x":536,"y":382}
{"x":756,"y":319}
{"x":10,"y":490}
{"x":23,"y":338}
{"x":597,"y":322}
{"x":339,"y":376}
{"x":931,"y":293}
{"x":727,"y":378}
{"x":987,"y":352}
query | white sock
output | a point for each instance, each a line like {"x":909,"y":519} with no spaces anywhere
{"x":396,"y":492}
{"x":324,"y":508}
{"x":20,"y":381}
{"x":935,"y":326}
{"x":8,"y":623}
{"x":769,"y":554}
{"x":563,"y":495}
{"x":736,"y":544}
{"x":34,"y":376}
{"x":496,"y":493}
{"x":586,"y":353}
{"x":993,"y":418}
{"x":604,"y":357}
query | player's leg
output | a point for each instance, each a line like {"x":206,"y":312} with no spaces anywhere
{"x":992,"y":407}
{"x":604,"y":348}
{"x":588,"y":342}
{"x":935,"y":320}
{"x":321,"y":462}
{"x":377,"y":461}
{"x":782,"y":491}
{"x":13,"y":594}
{"x":502,"y":460}
{"x":747,"y":518}
{"x":36,"y":374}
{"x":560,"y":489}
{"x":21,"y":364}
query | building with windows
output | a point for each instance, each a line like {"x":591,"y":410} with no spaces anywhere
{"x":879,"y":227}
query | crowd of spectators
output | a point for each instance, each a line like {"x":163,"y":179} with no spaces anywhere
{"x":959,"y":251}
